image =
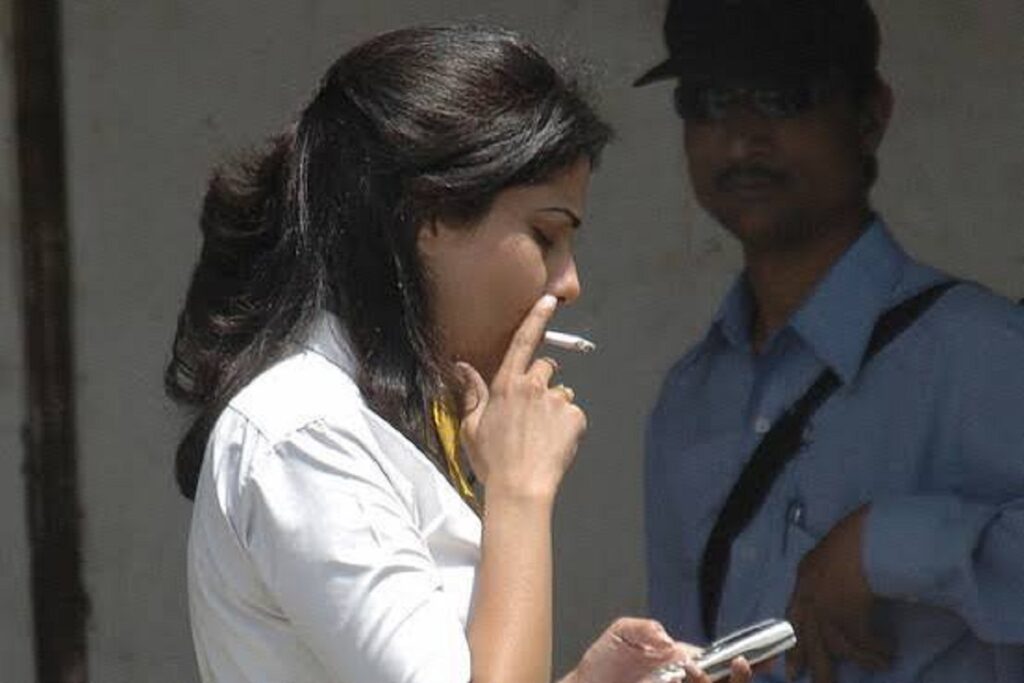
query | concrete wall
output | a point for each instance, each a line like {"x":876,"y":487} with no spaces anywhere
{"x":158,"y":91}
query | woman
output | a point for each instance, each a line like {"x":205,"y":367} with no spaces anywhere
{"x":391,"y":262}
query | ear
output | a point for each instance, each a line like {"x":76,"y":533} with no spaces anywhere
{"x":875,"y":117}
{"x":428,"y":235}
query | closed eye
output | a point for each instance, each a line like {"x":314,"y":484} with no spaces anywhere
{"x":542,"y":239}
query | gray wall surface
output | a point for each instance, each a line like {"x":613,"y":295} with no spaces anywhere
{"x":159,"y":91}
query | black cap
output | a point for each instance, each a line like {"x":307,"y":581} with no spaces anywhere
{"x":759,"y":40}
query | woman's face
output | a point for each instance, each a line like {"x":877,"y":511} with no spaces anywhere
{"x":484,"y":277}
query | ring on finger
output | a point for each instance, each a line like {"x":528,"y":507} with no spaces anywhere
{"x":568,"y":392}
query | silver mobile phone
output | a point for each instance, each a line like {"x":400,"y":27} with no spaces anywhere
{"x":756,"y":643}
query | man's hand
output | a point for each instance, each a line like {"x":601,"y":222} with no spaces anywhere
{"x":832,"y":605}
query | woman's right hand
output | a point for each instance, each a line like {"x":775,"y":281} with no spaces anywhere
{"x":521,"y":434}
{"x":631,"y":650}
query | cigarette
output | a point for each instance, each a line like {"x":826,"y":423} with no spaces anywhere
{"x":571,"y":342}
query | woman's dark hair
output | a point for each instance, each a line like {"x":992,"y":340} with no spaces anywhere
{"x":416,"y":124}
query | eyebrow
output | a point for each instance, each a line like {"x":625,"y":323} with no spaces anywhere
{"x":573,"y":218}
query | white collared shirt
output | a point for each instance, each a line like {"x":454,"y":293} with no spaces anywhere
{"x":324,"y":545}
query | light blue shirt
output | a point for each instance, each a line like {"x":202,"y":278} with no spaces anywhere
{"x":930,"y":432}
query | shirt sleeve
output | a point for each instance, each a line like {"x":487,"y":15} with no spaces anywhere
{"x":340,"y":549}
{"x":960,"y":546}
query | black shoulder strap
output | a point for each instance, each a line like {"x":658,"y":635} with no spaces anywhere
{"x":777,"y":448}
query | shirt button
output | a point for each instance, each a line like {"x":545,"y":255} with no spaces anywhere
{"x":762,"y":425}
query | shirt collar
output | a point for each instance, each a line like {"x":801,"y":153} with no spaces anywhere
{"x":837,"y":320}
{"x":735,"y":314}
{"x":327,"y":336}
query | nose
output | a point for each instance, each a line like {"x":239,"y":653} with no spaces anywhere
{"x":748,"y":132}
{"x":565,"y":283}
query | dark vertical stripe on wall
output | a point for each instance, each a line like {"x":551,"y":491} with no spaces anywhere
{"x":59,"y":603}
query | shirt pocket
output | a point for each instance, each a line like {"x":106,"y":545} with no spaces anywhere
{"x":797,"y":538}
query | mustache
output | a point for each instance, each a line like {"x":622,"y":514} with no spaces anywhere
{"x":743,"y":174}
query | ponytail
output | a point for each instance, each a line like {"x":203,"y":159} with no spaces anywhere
{"x":246,"y":299}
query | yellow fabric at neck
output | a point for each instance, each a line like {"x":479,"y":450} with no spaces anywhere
{"x":448,"y":436}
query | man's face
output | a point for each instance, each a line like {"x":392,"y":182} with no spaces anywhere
{"x":776,"y":183}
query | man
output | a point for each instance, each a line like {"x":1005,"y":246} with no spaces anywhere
{"x":892,"y":531}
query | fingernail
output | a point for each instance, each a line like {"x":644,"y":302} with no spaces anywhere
{"x":663,"y":635}
{"x":640,"y":647}
{"x":548,"y":301}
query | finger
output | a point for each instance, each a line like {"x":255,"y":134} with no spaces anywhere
{"x":474,"y":396}
{"x":527,"y":337}
{"x":865,"y":636}
{"x":688,"y":651}
{"x":819,"y":661}
{"x":566,"y":392}
{"x":695,"y":675}
{"x":544,"y":368}
{"x":868,"y":653}
{"x":647,"y":638}
{"x":581,"y":421}
{"x":796,"y":662}
{"x":645,"y":633}
{"x":740,"y":671}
